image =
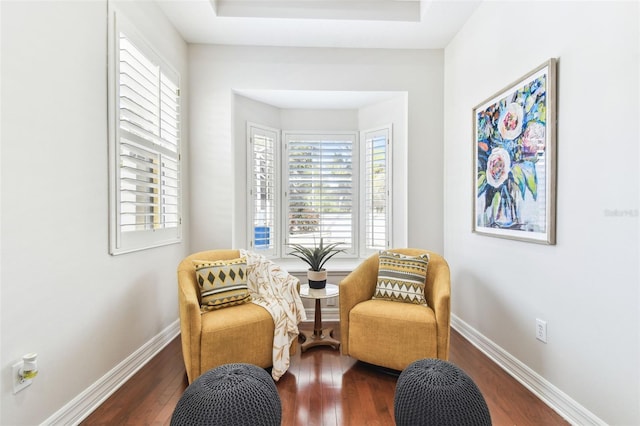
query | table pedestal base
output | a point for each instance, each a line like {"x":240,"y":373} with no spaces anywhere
{"x":320,"y":336}
{"x":323,"y":338}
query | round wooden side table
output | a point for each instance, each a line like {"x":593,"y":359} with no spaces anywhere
{"x":320,"y":336}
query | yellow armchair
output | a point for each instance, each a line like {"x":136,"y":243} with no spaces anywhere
{"x":235,"y":334}
{"x":395,"y":334}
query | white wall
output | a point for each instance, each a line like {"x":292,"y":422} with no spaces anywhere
{"x":324,"y":120}
{"x":216,"y":71}
{"x":586,"y":286}
{"x":63,"y":296}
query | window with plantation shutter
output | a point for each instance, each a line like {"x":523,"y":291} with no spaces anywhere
{"x":321,"y":181}
{"x":145,"y":147}
{"x":376,"y":189}
{"x":263,"y":193}
{"x":304,"y":186}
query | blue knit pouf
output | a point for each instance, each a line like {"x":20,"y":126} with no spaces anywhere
{"x":231,"y":394}
{"x":436,"y":392}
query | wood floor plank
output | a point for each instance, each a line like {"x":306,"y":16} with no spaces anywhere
{"x":508,"y":400}
{"x":322,"y":387}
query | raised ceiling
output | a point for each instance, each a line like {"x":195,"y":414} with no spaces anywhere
{"x":364,"y":10}
{"x":392,"y":24}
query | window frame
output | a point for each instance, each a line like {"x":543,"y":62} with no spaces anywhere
{"x":121,"y":241}
{"x":387,"y":131}
{"x":275,"y":237}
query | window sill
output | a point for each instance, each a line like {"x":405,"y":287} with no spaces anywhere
{"x":296,"y":266}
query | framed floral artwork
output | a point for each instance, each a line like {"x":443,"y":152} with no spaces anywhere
{"x":515,"y":159}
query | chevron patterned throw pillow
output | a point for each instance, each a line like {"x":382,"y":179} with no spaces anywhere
{"x":401,"y":278}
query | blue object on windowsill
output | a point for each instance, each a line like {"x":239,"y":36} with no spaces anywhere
{"x":261,"y":237}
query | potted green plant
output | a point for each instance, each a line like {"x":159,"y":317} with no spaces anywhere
{"x":316,"y":257}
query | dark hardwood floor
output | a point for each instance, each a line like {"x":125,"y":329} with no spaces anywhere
{"x":323,"y":388}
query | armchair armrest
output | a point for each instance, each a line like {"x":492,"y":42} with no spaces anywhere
{"x":190,"y":320}
{"x":438,"y":295}
{"x":358,"y":286}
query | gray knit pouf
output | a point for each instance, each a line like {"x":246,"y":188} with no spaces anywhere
{"x":231,"y":394}
{"x":436,"y":392}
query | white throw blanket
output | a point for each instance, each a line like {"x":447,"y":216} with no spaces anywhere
{"x":275,"y":290}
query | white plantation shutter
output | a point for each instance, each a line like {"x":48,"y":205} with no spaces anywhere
{"x":263,"y":184}
{"x":320,"y":189}
{"x":146,"y":146}
{"x":377,"y":189}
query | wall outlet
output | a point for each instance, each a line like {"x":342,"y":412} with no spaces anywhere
{"x":18,"y":382}
{"x":541,"y":330}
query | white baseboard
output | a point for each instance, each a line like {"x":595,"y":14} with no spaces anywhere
{"x":84,"y":404}
{"x":569,"y":409}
